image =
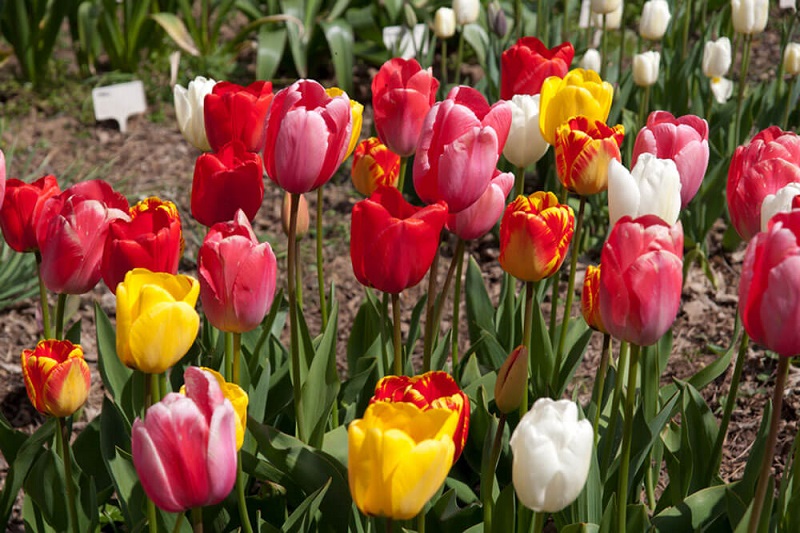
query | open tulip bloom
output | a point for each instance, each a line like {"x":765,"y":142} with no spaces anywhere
{"x":526,"y":64}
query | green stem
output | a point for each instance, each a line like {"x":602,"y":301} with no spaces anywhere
{"x":444,"y":65}
{"x":769,"y":451}
{"x":457,"y":306}
{"x":554,"y":299}
{"x":228,"y":356}
{"x":245,"y":518}
{"x":63,"y":451}
{"x":460,"y":56}
{"x":526,"y":339}
{"x":60,"y":304}
{"x":197,"y":519}
{"x":538,"y":522}
{"x":152,"y":523}
{"x":178,"y":523}
{"x":788,"y":108}
{"x":384,"y":319}
{"x":603,"y":48}
{"x":519,"y":182}
{"x":487,"y":476}
{"x":293,"y":318}
{"x":644,"y":106}
{"x":155,"y":388}
{"x":627,"y":437}
{"x":48,"y":333}
{"x":323,"y":303}
{"x":237,"y":358}
{"x":398,"y":347}
{"x":518,"y":17}
{"x":565,"y":23}
{"x":686,"y":23}
{"x":429,"y":313}
{"x":622,"y":363}
{"x":437,"y":316}
{"x":710,"y":103}
{"x":621,"y":57}
{"x":299,"y":277}
{"x":421,"y":521}
{"x":401,"y":177}
{"x":600,"y":384}
{"x":742,"y":84}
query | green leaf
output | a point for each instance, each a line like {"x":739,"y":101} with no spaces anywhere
{"x":303,"y":517}
{"x":695,"y":512}
{"x":340,"y":39}
{"x":478,"y":39}
{"x":176,"y":29}
{"x":298,"y":41}
{"x":45,"y":486}
{"x":114,"y":374}
{"x":27,"y":453}
{"x":269,"y":52}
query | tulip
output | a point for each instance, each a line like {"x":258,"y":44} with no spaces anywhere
{"x":791,"y":59}
{"x":356,"y":114}
{"x":302,"y":223}
{"x":22,"y":209}
{"x":226,"y":181}
{"x":717,"y":57}
{"x":684,"y":140}
{"x":56,"y":377}
{"x":722,"y":89}
{"x":466,"y":11}
{"x":769,"y":289}
{"x":238,"y":398}
{"x":583,"y":150}
{"x":374,"y":165}
{"x":581,"y":92}
{"x":640,"y":289}
{"x":613,"y":20}
{"x":189,"y":110}
{"x":308,"y":133}
{"x":653,"y":187}
{"x":526,"y":64}
{"x":476,"y":220}
{"x":645,"y":68}
{"x":459,"y":145}
{"x":402,"y":95}
{"x":237,"y":276}
{"x":655,"y":19}
{"x":591,"y":60}
{"x":783,"y":201}
{"x":512,"y":381}
{"x":393,"y":243}
{"x":770,"y":162}
{"x":398,"y":456}
{"x":604,"y":7}
{"x":749,"y":16}
{"x":496,"y":19}
{"x":590,"y":299}
{"x":444,"y":23}
{"x":525,"y":144}
{"x":156,"y":320}
{"x":552,"y":452}
{"x":535,"y":233}
{"x":184,"y":451}
{"x":150,"y":239}
{"x":236,"y":112}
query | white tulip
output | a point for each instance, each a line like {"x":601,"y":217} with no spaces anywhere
{"x":749,"y":16}
{"x":189,"y":105}
{"x":652,"y":188}
{"x":722,"y":89}
{"x":645,"y":68}
{"x":467,"y":11}
{"x":591,"y":60}
{"x":613,"y":19}
{"x":654,"y":21}
{"x":525,"y":144}
{"x":717,"y":57}
{"x":444,"y":23}
{"x":604,"y":7}
{"x":780,"y":202}
{"x":552,"y":452}
{"x":788,"y":4}
{"x":791,"y":59}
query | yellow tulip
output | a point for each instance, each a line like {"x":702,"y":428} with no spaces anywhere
{"x":398,"y":457}
{"x":581,"y":92}
{"x":156,"y":319}
{"x":357,"y":111}
{"x":238,"y":399}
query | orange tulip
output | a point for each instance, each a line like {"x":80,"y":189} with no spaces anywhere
{"x":374,"y":165}
{"x":56,"y":377}
{"x":583,"y":149}
{"x":590,"y":299}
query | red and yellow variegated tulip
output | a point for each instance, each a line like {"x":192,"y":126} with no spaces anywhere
{"x":590,"y":299}
{"x":581,"y":92}
{"x":534,"y":236}
{"x":56,"y":377}
{"x":432,"y":390}
{"x":583,"y":149}
{"x":374,"y":165}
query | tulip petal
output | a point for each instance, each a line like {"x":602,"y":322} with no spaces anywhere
{"x":221,"y":453}
{"x":161,"y":336}
{"x":419,"y":473}
{"x":67,"y":387}
{"x":156,"y":481}
{"x":302,"y":141}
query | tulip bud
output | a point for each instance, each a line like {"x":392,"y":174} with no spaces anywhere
{"x":749,"y":16}
{"x":409,"y":15}
{"x":444,"y":23}
{"x":467,"y":11}
{"x":791,"y":59}
{"x":645,"y":68}
{"x":189,"y":110}
{"x":782,"y":201}
{"x":654,"y":21}
{"x":512,"y":381}
{"x":590,"y":299}
{"x":591,"y":60}
{"x":56,"y":376}
{"x":717,"y":58}
{"x":604,"y":7}
{"x":302,"y":215}
{"x":497,"y":19}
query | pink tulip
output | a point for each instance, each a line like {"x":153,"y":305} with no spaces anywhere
{"x":458,"y":149}
{"x":769,"y":290}
{"x":476,"y":220}
{"x":237,"y":276}
{"x":184,"y":451}
{"x":308,"y":133}
{"x":640,"y":289}
{"x":684,"y":140}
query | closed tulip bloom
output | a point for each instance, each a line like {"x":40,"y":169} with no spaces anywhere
{"x":444,"y":23}
{"x":717,"y":57}
{"x":526,"y":64}
{"x":150,"y":239}
{"x":402,"y":94}
{"x":581,"y":92}
{"x":236,"y":112}
{"x":237,"y":276}
{"x":22,"y":209}
{"x":684,"y":140}
{"x":525,"y":144}
{"x":769,"y":289}
{"x":583,"y":150}
{"x":393,"y":243}
{"x":791,"y":59}
{"x":604,"y":7}
{"x":184,"y":451}
{"x":652,"y":188}
{"x":552,"y":452}
{"x":156,"y":319}
{"x":591,"y":60}
{"x":590,"y":299}
{"x":56,"y":376}
{"x":238,"y":398}
{"x":655,"y":19}
{"x":535,"y":233}
{"x":749,"y":16}
{"x":374,"y":165}
{"x":357,"y":116}
{"x":303,"y":222}
{"x":613,"y":20}
{"x":645,"y":68}
{"x":476,"y":220}
{"x":770,"y":162}
{"x":190,"y":111}
{"x":460,"y":143}
{"x":466,"y":11}
{"x":398,"y":456}
{"x":226,"y":181}
{"x":512,"y":381}
{"x":783,"y":201}
{"x":640,"y":289}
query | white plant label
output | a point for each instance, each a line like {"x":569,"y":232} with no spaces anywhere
{"x":119,"y":102}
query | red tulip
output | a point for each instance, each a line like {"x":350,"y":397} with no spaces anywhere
{"x":525,"y":66}
{"x":684,"y":140}
{"x":402,"y":94}
{"x":151,"y":239}
{"x":308,"y":133}
{"x":22,"y":208}
{"x":237,"y":276}
{"x":476,"y":220}
{"x":640,"y":289}
{"x":393,"y":243}
{"x":766,"y":165}
{"x":460,"y":143}
{"x":72,"y":232}
{"x":226,"y":181}
{"x":235,"y":112}
{"x":432,"y":390}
